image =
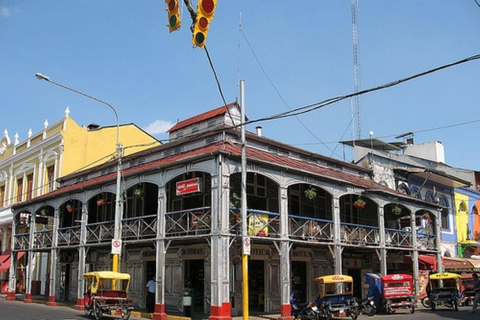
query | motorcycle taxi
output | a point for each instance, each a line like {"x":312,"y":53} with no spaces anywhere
{"x":397,"y":292}
{"x":335,"y":296}
{"x":444,"y":289}
{"x":106,"y":293}
{"x":466,"y":288}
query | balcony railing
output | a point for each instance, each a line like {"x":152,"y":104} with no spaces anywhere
{"x":138,"y":228}
{"x":359,"y":234}
{"x":100,"y":231}
{"x":68,"y":236}
{"x":398,"y":238}
{"x":21,"y":241}
{"x":188,"y":222}
{"x":43,"y":239}
{"x":310,"y":229}
{"x":425,"y":240}
{"x":259,"y":223}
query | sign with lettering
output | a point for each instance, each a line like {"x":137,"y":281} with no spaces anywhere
{"x":189,"y":186}
{"x":247,"y":245}
{"x":192,"y":252}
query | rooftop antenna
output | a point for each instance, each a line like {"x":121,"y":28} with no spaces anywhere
{"x":355,"y":67}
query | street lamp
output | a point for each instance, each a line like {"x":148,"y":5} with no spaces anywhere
{"x":116,"y":236}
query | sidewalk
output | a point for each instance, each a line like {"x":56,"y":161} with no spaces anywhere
{"x":142,"y":313}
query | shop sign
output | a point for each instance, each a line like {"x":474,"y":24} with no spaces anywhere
{"x":301,"y":254}
{"x":192,"y":252}
{"x":189,"y":186}
{"x":260,"y":252}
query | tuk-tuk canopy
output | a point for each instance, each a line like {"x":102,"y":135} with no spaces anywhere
{"x":107,"y":275}
{"x":444,"y":276}
{"x":397,"y":277}
{"x":336,"y":278}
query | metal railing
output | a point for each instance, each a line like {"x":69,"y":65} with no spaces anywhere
{"x":68,"y":236}
{"x":359,"y":234}
{"x":259,"y":223}
{"x":195,"y":221}
{"x":144,"y":227}
{"x":100,"y":231}
{"x":21,"y":241}
{"x":42,"y":239}
{"x":310,"y":229}
{"x":398,"y":238}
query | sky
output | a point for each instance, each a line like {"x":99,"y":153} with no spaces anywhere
{"x":290,"y":54}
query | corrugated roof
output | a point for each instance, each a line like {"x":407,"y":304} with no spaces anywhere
{"x":201,"y":117}
{"x":235,"y":150}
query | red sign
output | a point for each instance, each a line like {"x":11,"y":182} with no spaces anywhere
{"x":189,"y":186}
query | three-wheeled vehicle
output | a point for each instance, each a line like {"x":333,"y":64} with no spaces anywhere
{"x":444,"y":289}
{"x":397,"y":292}
{"x":335,"y":296}
{"x":466,"y":288}
{"x":106,"y":292}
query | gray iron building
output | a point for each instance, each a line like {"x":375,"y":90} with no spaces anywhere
{"x":181,"y":222}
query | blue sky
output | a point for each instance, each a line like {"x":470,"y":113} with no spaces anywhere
{"x":290,"y":53}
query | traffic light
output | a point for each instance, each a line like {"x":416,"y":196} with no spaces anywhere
{"x":174,"y":21}
{"x":205,"y":13}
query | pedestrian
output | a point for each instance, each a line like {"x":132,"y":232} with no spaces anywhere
{"x":476,"y":288}
{"x":151,"y":295}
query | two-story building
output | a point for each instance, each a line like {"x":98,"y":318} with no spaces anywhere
{"x":307,"y":215}
{"x":31,"y":168}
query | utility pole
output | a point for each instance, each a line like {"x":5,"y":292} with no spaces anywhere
{"x":355,"y":68}
{"x":245,"y":239}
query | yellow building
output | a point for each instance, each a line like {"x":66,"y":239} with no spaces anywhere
{"x":30,"y":168}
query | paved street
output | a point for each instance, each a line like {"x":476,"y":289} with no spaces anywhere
{"x":18,"y":310}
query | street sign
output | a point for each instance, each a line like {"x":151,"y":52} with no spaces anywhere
{"x":246,"y":246}
{"x":116,"y":246}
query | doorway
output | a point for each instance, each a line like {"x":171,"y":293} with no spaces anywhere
{"x":256,"y":285}
{"x":356,"y":274}
{"x":195,"y":279}
{"x":64,"y":282}
{"x":299,"y":280}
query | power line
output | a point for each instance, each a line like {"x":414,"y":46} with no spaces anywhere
{"x":278,"y":93}
{"x":324,"y":103}
{"x":478,"y":3}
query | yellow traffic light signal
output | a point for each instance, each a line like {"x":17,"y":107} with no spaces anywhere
{"x":205,"y":13}
{"x":174,"y":21}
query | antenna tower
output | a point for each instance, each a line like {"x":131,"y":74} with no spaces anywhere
{"x":355,"y":67}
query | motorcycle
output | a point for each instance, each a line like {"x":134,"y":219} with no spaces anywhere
{"x":366,"y":306}
{"x":304,"y":311}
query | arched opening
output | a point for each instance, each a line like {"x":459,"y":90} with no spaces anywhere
{"x":309,"y":201}
{"x":262,"y":192}
{"x":101,"y":208}
{"x":358,"y":210}
{"x":141,"y":200}
{"x":70,"y":214}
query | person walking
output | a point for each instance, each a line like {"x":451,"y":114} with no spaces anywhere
{"x":151,"y":295}
{"x":476,"y":288}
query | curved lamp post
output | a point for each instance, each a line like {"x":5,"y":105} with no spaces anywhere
{"x":116,"y":236}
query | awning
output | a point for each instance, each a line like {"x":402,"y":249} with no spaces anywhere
{"x":430,"y":262}
{"x":475,"y":263}
{"x":6,"y":264}
{"x":457,"y":264}
{"x":4,"y":256}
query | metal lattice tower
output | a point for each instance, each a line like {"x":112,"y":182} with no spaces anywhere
{"x":355,"y":68}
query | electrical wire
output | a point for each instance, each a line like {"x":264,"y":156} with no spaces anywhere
{"x":478,"y":3}
{"x":278,"y":93}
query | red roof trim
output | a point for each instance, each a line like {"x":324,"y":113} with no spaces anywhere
{"x":234,"y":149}
{"x":201,"y":117}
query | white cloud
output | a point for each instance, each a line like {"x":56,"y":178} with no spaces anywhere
{"x":8,"y":11}
{"x":158,"y":126}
